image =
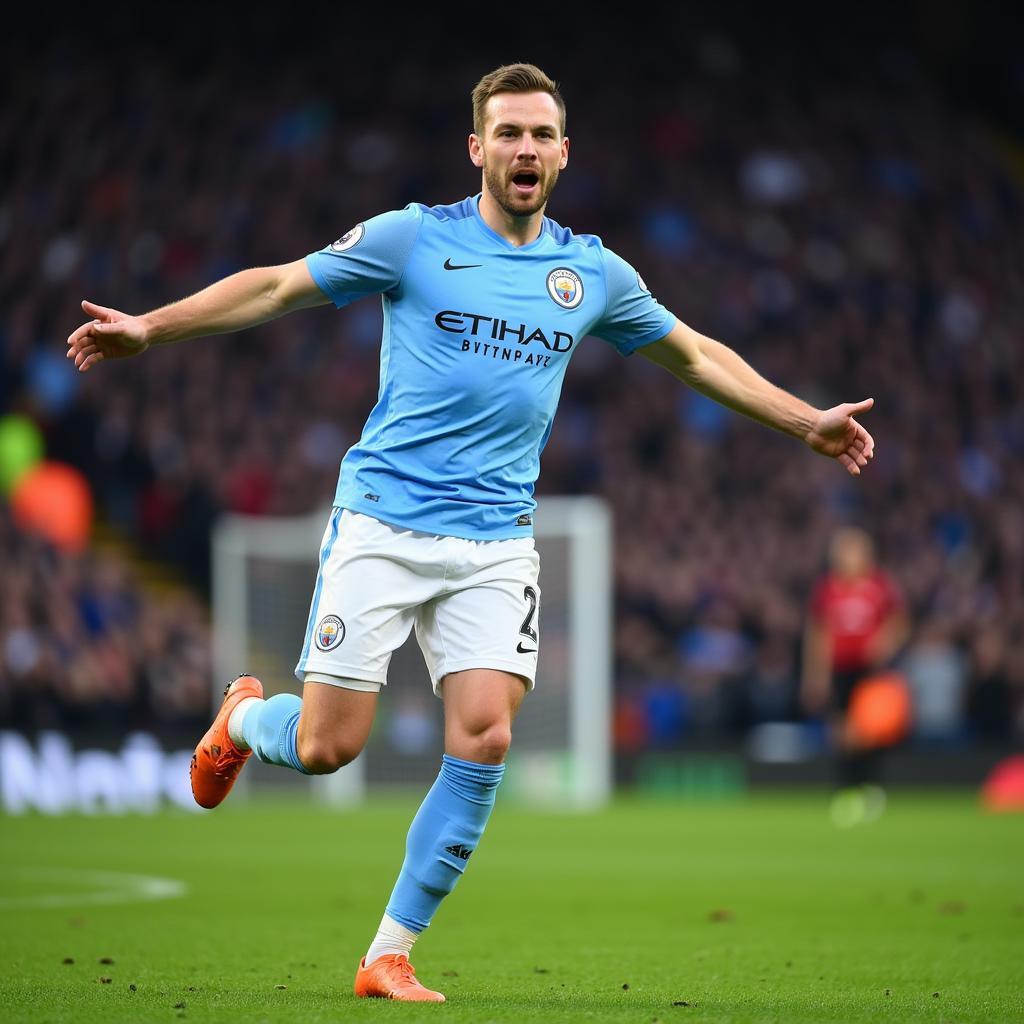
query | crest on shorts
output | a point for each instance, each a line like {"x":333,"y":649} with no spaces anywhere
{"x":351,"y":237}
{"x":329,"y":632}
{"x":565,"y":286}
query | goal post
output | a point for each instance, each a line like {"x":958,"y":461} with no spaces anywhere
{"x":263,"y":575}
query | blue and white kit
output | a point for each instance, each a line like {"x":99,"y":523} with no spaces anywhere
{"x":477,"y":337}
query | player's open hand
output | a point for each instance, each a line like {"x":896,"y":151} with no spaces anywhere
{"x":111,"y":334}
{"x":838,"y":435}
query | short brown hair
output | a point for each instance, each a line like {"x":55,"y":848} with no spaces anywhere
{"x":514,"y":78}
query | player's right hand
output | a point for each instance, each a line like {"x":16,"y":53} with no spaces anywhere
{"x":111,"y":334}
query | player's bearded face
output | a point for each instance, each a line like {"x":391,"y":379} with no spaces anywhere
{"x":521,"y":151}
{"x":521,"y":188}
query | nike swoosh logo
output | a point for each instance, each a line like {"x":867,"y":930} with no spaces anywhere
{"x":448,"y":265}
{"x":525,"y":650}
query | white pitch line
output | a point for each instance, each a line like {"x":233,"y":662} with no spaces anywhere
{"x":108,"y":887}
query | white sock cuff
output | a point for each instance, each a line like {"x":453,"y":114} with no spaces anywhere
{"x":236,"y":719}
{"x":389,"y":926}
{"x":391,"y":937}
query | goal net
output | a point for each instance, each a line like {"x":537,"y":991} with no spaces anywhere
{"x":263,"y":575}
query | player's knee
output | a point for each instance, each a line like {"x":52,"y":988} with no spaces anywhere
{"x":490,"y":745}
{"x":321,"y":756}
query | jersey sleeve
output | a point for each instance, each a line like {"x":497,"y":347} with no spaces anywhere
{"x":368,"y":259}
{"x":632,"y":316}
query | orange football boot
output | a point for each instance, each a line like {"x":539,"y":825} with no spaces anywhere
{"x":391,"y":976}
{"x":217,"y":761}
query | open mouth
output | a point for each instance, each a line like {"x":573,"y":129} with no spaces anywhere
{"x":525,"y":181}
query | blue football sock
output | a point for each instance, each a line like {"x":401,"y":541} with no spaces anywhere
{"x":445,"y":831}
{"x":271,"y":729}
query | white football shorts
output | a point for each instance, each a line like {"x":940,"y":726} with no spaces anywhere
{"x":474,"y":603}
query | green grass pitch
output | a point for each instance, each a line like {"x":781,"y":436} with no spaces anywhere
{"x":756,"y":910}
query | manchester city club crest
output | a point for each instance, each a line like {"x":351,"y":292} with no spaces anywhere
{"x":350,"y":238}
{"x":565,"y":287}
{"x":329,"y":632}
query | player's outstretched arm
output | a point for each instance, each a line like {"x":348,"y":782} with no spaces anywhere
{"x":717,"y":371}
{"x":242,"y":300}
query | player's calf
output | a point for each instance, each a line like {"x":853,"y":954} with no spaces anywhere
{"x":322,"y":755}
{"x":335,"y":723}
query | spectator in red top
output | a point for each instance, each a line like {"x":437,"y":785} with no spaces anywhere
{"x":856,"y":625}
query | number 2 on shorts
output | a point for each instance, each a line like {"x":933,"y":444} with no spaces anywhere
{"x":526,"y":629}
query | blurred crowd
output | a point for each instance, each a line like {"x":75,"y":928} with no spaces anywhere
{"x":82,"y":647}
{"x":856,"y":236}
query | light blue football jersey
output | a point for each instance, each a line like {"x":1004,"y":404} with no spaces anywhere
{"x":477,"y":337}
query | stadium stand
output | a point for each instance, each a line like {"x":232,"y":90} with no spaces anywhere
{"x":861,"y":239}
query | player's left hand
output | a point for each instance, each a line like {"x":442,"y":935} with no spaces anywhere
{"x":838,"y":435}
{"x":110,"y":334}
